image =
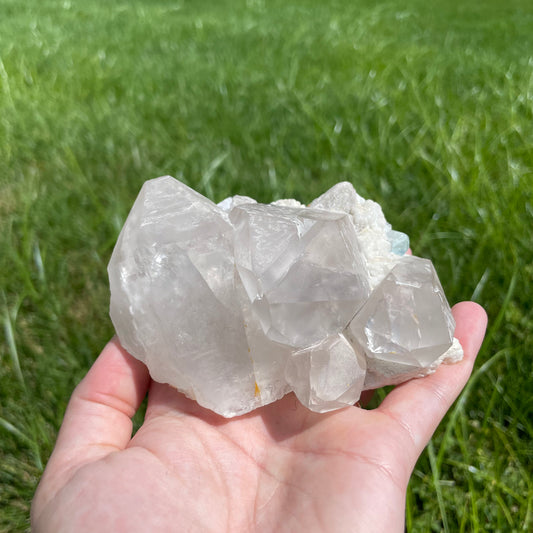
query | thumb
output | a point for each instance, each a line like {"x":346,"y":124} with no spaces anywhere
{"x":420,"y":404}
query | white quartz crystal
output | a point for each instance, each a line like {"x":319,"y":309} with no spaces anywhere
{"x":239,"y":303}
{"x":328,"y":375}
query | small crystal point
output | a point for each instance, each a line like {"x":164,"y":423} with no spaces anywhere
{"x":399,"y":242}
{"x":327,"y":376}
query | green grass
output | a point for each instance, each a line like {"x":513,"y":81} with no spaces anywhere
{"x":427,"y":107}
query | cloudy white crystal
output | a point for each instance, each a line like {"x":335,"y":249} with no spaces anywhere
{"x":237,"y":304}
{"x":307,"y":248}
{"x":405,"y":320}
{"x":328,"y":375}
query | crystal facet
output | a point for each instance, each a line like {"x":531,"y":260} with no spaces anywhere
{"x":307,"y":248}
{"x":239,"y":303}
{"x":327,"y":376}
{"x":406,"y":320}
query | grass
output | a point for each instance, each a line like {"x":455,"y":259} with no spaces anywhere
{"x":426,"y":108}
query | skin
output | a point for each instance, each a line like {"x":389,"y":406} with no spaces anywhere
{"x":280,"y":468}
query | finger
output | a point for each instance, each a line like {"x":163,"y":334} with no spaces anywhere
{"x":420,"y":404}
{"x":98,"y":416}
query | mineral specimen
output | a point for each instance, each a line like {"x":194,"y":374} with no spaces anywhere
{"x":239,"y":303}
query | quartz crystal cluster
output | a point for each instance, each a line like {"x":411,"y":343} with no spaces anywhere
{"x":239,"y":303}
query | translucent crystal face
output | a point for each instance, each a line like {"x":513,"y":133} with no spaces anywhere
{"x":405,"y":320}
{"x":236,"y":305}
{"x":172,"y":301}
{"x":328,"y":375}
{"x":279,"y":250}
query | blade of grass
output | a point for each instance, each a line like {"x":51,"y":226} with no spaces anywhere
{"x":463,"y":399}
{"x":436,"y":482}
{"x":12,"y":346}
{"x":16,"y":432}
{"x":505,"y":304}
{"x":207,"y":176}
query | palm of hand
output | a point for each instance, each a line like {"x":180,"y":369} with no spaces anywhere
{"x":280,"y":468}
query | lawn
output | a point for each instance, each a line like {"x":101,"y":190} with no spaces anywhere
{"x":424,"y":107}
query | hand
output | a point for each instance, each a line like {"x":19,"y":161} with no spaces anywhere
{"x":279,"y":468}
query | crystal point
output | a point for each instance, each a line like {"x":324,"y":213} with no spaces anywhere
{"x":405,"y":324}
{"x":327,"y":376}
{"x":317,"y":250}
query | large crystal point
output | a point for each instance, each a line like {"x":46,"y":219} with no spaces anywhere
{"x":173,"y":303}
{"x":239,"y":303}
{"x":405,"y":324}
{"x":300,"y":248}
{"x":380,"y":245}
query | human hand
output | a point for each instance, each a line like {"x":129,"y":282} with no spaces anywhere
{"x":279,"y":468}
